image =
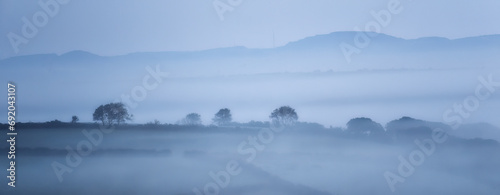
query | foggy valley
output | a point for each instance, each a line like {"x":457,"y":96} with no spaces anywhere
{"x":406,"y":117}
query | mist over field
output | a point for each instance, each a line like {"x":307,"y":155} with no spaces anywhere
{"x":250,"y":97}
{"x":302,"y":160}
{"x":324,"y":153}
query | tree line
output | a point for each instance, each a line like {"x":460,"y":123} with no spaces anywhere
{"x":116,"y":114}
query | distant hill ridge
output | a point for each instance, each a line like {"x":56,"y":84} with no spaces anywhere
{"x":331,"y":40}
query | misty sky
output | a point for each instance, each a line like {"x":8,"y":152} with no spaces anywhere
{"x":119,"y":27}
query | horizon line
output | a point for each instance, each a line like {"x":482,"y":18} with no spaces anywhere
{"x":241,"y":46}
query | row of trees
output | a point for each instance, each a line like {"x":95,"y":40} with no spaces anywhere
{"x":222,"y":117}
{"x":116,"y":113}
{"x":284,"y":115}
